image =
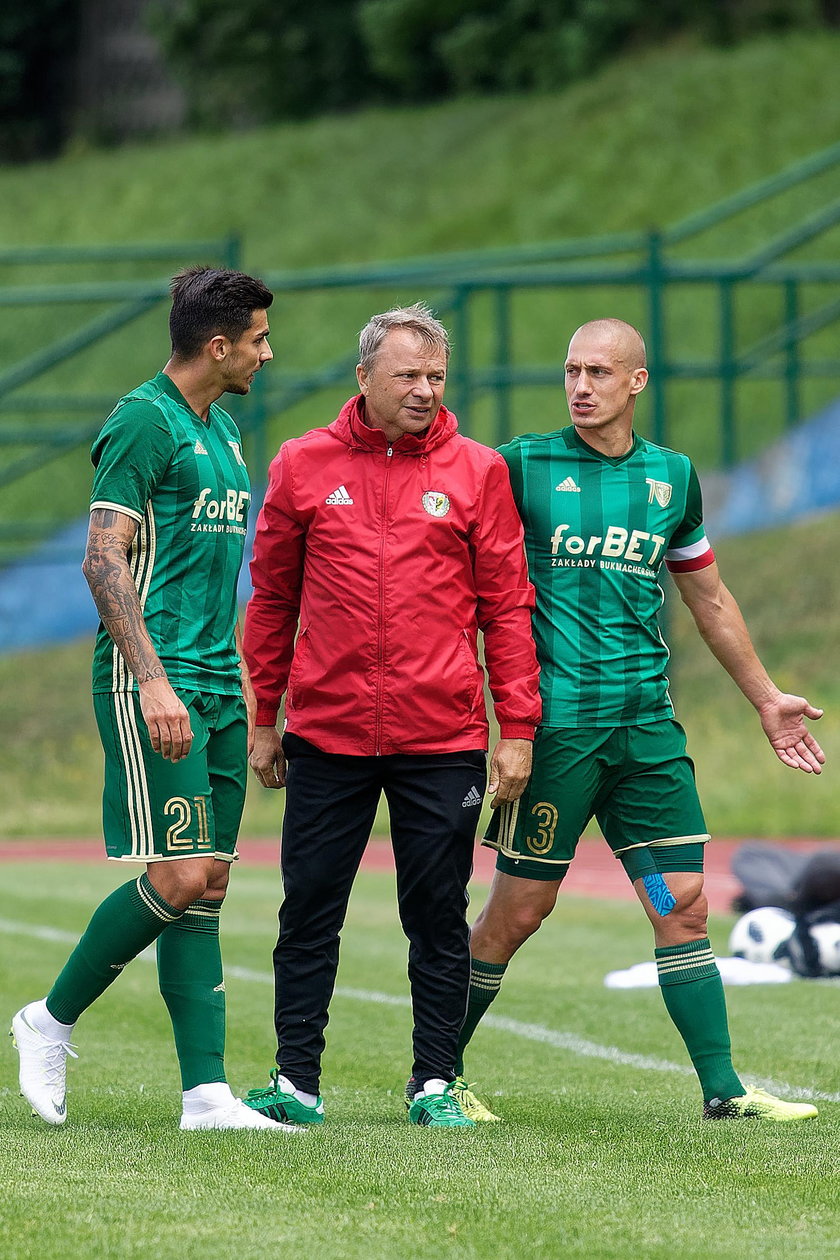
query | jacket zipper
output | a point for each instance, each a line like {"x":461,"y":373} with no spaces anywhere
{"x":380,"y":683}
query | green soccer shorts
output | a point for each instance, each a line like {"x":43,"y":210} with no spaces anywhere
{"x":637,"y":781}
{"x":155,"y":810}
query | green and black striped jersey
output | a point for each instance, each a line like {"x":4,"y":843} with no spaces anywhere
{"x":185,"y":483}
{"x":597,"y":531}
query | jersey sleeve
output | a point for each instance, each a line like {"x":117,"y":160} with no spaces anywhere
{"x":689,"y":549}
{"x":130,"y":455}
{"x":511,"y":453}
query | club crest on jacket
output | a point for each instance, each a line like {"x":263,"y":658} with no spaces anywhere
{"x":436,"y":503}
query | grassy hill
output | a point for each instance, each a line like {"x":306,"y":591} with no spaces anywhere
{"x":646,"y":142}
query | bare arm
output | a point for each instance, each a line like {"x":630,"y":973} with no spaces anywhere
{"x":110,"y":535}
{"x":247,"y":689}
{"x":782,"y":716}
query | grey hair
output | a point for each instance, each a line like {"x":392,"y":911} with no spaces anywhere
{"x":417,"y":318}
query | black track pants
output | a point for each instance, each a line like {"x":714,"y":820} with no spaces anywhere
{"x":331,"y":802}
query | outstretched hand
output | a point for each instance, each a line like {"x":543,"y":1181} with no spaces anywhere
{"x":783,"y":720}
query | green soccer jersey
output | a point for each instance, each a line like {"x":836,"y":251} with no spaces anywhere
{"x":185,"y":483}
{"x":597,"y":531}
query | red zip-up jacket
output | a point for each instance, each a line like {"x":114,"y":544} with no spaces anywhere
{"x":391,"y":558}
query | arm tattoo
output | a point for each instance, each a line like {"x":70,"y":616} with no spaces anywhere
{"x":104,"y":517}
{"x":115,"y":594}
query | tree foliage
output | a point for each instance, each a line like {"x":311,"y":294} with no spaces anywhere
{"x":254,"y":61}
{"x":491,"y":45}
{"x":37,"y":49}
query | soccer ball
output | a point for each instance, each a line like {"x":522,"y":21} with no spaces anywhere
{"x":760,"y":935}
{"x":827,"y":939}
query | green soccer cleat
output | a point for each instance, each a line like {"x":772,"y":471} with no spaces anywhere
{"x":278,"y":1104}
{"x":757,"y":1104}
{"x":438,"y":1111}
{"x":472,"y":1107}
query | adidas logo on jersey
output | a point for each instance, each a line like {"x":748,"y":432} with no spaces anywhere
{"x":569,"y":484}
{"x":472,"y":798}
{"x":199,"y":449}
{"x":339,"y":497}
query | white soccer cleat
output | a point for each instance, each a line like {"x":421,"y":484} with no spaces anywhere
{"x":43,"y":1069}
{"x":235,"y":1115}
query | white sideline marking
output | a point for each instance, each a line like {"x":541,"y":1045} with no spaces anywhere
{"x":529,"y":1032}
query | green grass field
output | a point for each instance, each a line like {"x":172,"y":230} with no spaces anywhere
{"x":601,"y":1153}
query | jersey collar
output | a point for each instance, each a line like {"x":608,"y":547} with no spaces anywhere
{"x":169,"y":387}
{"x":573,"y":438}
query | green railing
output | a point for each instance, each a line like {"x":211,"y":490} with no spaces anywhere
{"x":125,"y":304}
{"x":805,"y":297}
{"x":725,"y":337}
{"x":27,"y":443}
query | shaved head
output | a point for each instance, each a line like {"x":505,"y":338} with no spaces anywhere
{"x":626,"y":343}
{"x":605,"y":370}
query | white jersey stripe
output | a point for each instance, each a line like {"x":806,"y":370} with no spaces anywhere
{"x":143,"y":804}
{"x":689,"y":552}
{"x":131,"y":776}
{"x":151,"y":545}
{"x":104,"y":505}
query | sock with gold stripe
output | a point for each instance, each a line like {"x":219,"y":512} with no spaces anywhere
{"x":485,"y":982}
{"x":191,"y":982}
{"x":693,"y":994}
{"x":122,"y":925}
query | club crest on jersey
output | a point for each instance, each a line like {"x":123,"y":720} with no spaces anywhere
{"x":436,"y":503}
{"x":659,"y":490}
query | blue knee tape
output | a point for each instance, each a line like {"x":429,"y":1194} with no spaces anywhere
{"x":661,"y":897}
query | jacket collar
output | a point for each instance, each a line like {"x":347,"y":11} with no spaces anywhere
{"x":349,"y":427}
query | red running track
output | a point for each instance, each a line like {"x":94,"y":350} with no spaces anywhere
{"x":594,"y":872}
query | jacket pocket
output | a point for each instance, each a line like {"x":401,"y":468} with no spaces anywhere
{"x":469,"y":657}
{"x":298,"y":665}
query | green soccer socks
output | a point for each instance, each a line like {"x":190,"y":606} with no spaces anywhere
{"x":190,"y":975}
{"x":485,"y":982}
{"x":693,"y":993}
{"x":123,"y":924}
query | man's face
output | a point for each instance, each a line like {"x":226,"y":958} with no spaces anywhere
{"x":600,"y":385}
{"x":404,"y":388}
{"x":246,"y":355}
